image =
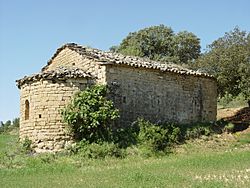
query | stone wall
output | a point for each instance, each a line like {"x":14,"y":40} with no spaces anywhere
{"x":69,"y":58}
{"x":42,"y":122}
{"x":159,"y":96}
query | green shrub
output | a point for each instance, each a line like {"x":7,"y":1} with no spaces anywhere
{"x":91,"y":115}
{"x":26,"y":145}
{"x":97,"y":150}
{"x":230,"y":101}
{"x":229,"y":127}
{"x":126,"y":136}
{"x":196,"y":132}
{"x":157,"y":137}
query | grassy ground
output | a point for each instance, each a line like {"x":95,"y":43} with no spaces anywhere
{"x":218,"y":161}
{"x":211,"y":161}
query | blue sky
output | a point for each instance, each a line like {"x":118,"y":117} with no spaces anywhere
{"x":31,"y":31}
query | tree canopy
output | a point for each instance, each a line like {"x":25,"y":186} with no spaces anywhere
{"x":228,"y":58}
{"x":162,"y":44}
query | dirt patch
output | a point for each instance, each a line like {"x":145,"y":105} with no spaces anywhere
{"x":241,"y":116}
{"x":235,"y":115}
{"x":226,"y":112}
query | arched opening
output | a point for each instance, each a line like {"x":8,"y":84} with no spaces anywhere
{"x":27,"y":110}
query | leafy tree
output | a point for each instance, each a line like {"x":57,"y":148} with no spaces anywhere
{"x":114,"y":48}
{"x":7,"y":123}
{"x":5,"y":126}
{"x":90,"y":115}
{"x":161,"y":44}
{"x":228,"y":58}
{"x":15,"y":122}
{"x":187,"y":46}
{"x":244,"y":85}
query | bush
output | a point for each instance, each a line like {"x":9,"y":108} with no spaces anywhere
{"x":26,"y":145}
{"x":197,"y":132}
{"x":126,"y":136}
{"x":230,"y":101}
{"x":91,"y":115}
{"x":157,"y":137}
{"x":97,"y":150}
{"x":229,"y":127}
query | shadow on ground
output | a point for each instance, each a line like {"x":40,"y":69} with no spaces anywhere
{"x":240,"y":120}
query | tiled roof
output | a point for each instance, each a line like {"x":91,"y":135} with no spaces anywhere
{"x":115,"y":58}
{"x":60,"y":74}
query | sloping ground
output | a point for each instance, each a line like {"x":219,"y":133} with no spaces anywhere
{"x":228,"y":141}
{"x":227,"y":112}
{"x":218,"y":165}
{"x":241,"y":116}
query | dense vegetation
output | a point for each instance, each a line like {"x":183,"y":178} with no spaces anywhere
{"x":228,"y":59}
{"x":162,"y":44}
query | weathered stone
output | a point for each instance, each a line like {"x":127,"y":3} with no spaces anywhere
{"x":40,"y":145}
{"x":138,"y":87}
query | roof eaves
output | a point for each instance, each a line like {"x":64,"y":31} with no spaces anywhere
{"x":59,"y":74}
{"x":105,"y":58}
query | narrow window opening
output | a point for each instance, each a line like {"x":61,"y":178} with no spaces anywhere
{"x":73,"y":64}
{"x":27,"y":110}
{"x":124,"y":100}
{"x":40,"y":115}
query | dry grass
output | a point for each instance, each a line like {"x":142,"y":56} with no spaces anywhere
{"x":227,"y":112}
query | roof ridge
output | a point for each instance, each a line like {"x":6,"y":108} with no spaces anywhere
{"x":117,"y":58}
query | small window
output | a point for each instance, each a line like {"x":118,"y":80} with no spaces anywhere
{"x":124,"y":100}
{"x":27,"y":110}
{"x":40,"y":115}
{"x":73,"y":64}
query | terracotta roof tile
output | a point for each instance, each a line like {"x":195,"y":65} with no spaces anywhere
{"x":60,"y":74}
{"x":115,"y":58}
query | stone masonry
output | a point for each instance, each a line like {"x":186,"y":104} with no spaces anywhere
{"x":139,"y":88}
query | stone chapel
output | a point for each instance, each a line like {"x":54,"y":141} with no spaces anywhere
{"x":140,"y":88}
